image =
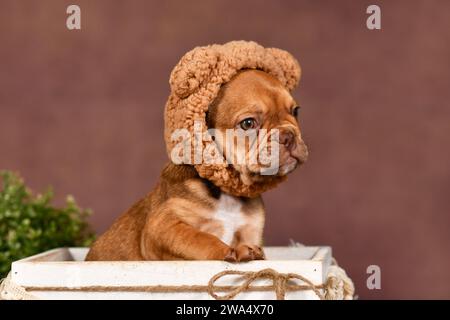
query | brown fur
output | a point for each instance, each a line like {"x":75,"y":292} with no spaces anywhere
{"x":177,"y":219}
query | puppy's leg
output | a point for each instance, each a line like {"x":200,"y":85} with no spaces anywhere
{"x":165,"y":235}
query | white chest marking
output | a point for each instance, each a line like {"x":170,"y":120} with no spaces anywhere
{"x":229,"y":213}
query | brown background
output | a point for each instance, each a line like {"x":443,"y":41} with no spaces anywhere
{"x":83,"y":111}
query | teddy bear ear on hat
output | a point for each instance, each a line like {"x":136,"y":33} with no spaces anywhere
{"x":194,"y":69}
{"x":289,"y":65}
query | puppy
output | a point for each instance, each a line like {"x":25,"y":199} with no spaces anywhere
{"x":187,"y":217}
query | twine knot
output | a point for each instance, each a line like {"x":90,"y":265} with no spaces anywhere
{"x":279,"y":283}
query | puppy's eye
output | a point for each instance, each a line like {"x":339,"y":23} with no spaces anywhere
{"x":295,"y":111}
{"x":248,"y":123}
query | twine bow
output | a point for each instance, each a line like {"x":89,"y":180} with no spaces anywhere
{"x":279,"y":283}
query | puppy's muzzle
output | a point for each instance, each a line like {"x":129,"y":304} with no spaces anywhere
{"x":294,"y":145}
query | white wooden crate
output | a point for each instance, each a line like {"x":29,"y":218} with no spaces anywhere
{"x":66,"y":268}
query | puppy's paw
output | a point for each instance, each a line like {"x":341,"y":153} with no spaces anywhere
{"x":230,"y":256}
{"x":246,"y":252}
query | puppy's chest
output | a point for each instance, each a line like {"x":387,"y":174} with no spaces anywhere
{"x":232,"y":215}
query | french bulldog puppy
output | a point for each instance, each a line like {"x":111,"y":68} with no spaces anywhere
{"x":187,"y":217}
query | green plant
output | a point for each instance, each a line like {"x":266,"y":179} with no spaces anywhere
{"x":29,"y":224}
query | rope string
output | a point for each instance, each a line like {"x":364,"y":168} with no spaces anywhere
{"x":281,"y":282}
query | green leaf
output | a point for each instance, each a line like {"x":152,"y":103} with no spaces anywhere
{"x":31,"y":224}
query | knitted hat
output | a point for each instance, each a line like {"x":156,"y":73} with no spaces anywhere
{"x":195,"y":83}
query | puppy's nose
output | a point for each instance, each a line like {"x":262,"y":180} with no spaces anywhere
{"x":287,"y":138}
{"x":302,"y":153}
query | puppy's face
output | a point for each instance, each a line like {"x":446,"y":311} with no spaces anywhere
{"x":254,"y":100}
